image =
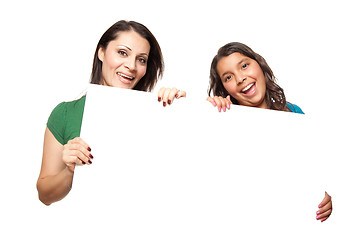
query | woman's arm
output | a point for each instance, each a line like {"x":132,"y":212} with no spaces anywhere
{"x":57,"y":168}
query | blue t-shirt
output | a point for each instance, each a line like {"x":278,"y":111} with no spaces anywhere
{"x":294,"y":108}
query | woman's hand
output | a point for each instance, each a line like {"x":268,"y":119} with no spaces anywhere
{"x":167,"y":95}
{"x":76,"y":152}
{"x":325,"y":208}
{"x":220,"y":102}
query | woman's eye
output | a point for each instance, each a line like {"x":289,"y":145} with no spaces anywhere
{"x":142,"y":60}
{"x":122,"y":53}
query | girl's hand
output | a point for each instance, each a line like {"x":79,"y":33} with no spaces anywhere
{"x":76,"y":152}
{"x":220,"y":102}
{"x":325,"y":208}
{"x":167,"y":95}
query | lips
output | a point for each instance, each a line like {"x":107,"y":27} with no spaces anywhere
{"x":125,"y":78}
{"x":249,"y":90}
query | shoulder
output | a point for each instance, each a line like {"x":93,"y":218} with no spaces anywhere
{"x":64,"y":107}
{"x":294,"y":108}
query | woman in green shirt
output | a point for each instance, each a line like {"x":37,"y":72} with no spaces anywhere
{"x":127,"y":56}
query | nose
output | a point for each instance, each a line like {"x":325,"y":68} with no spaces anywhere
{"x":131,"y":64}
{"x":240,"y":79}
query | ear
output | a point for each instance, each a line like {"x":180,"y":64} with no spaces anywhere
{"x":101,"y":54}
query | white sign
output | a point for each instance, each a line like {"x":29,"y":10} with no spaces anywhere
{"x":189,"y":172}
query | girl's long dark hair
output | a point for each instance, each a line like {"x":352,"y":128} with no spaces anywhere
{"x":155,"y":65}
{"x":274,"y":95}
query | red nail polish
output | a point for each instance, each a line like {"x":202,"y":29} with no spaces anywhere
{"x":89,"y":149}
{"x":91,"y":156}
{"x":159,"y":99}
{"x":164,"y":104}
{"x":82,"y":162}
{"x":169,"y":101}
{"x":176,"y":95}
{"x":90,"y":161}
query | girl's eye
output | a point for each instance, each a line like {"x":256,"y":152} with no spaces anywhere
{"x":227,"y":78}
{"x":245,"y":65}
{"x":122,"y":53}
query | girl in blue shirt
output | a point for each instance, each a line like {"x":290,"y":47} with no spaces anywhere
{"x":240,"y":76}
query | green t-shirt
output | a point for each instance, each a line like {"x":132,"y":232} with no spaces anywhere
{"x":65,"y":120}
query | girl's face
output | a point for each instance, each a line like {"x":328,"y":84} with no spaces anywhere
{"x":124,"y":60}
{"x":244,"y":79}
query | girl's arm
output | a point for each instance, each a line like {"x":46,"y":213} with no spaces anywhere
{"x":57,"y":168}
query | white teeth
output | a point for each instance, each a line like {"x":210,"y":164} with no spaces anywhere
{"x":247,"y":87}
{"x":125,"y":76}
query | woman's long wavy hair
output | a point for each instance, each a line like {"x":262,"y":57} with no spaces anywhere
{"x":274,"y":95}
{"x":155,"y":65}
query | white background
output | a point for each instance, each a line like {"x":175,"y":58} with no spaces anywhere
{"x":48,"y":47}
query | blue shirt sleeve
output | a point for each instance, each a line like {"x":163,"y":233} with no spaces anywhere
{"x":294,"y":108}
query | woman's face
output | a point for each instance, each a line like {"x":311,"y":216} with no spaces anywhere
{"x":124,"y":60}
{"x":244,"y":79}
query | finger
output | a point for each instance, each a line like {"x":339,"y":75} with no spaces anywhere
{"x":71,"y":161}
{"x":218,"y":103}
{"x":171,"y":96}
{"x":326,"y":199}
{"x":79,"y":140}
{"x":210,"y":99}
{"x":165,"y":96}
{"x":324,"y":208}
{"x":81,"y":156}
{"x":180,"y":94}
{"x":223,"y":103}
{"x":324,"y":215}
{"x":161,"y":93}
{"x":228,"y":102}
{"x":79,"y":147}
{"x":324,"y":219}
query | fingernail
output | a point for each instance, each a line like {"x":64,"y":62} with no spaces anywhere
{"x":224,"y":109}
{"x":317,"y":217}
{"x":228,"y":106}
{"x":169,"y":101}
{"x":322,"y":220}
{"x":164,"y":104}
{"x":90,"y":161}
{"x":176,"y":95}
{"x":159,"y":99}
{"x":91,"y":156}
{"x":320,"y":206}
{"x":318,"y":212}
{"x":219,"y":109}
{"x":82,"y":162}
{"x":89,"y":149}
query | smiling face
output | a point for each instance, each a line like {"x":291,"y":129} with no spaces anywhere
{"x":124,"y":61}
{"x":243,"y":79}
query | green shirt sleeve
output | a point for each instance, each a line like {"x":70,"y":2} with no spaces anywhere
{"x":56,"y":122}
{"x":65,"y":120}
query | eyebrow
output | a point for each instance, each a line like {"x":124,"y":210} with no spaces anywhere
{"x":239,"y":63}
{"x":125,"y":46}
